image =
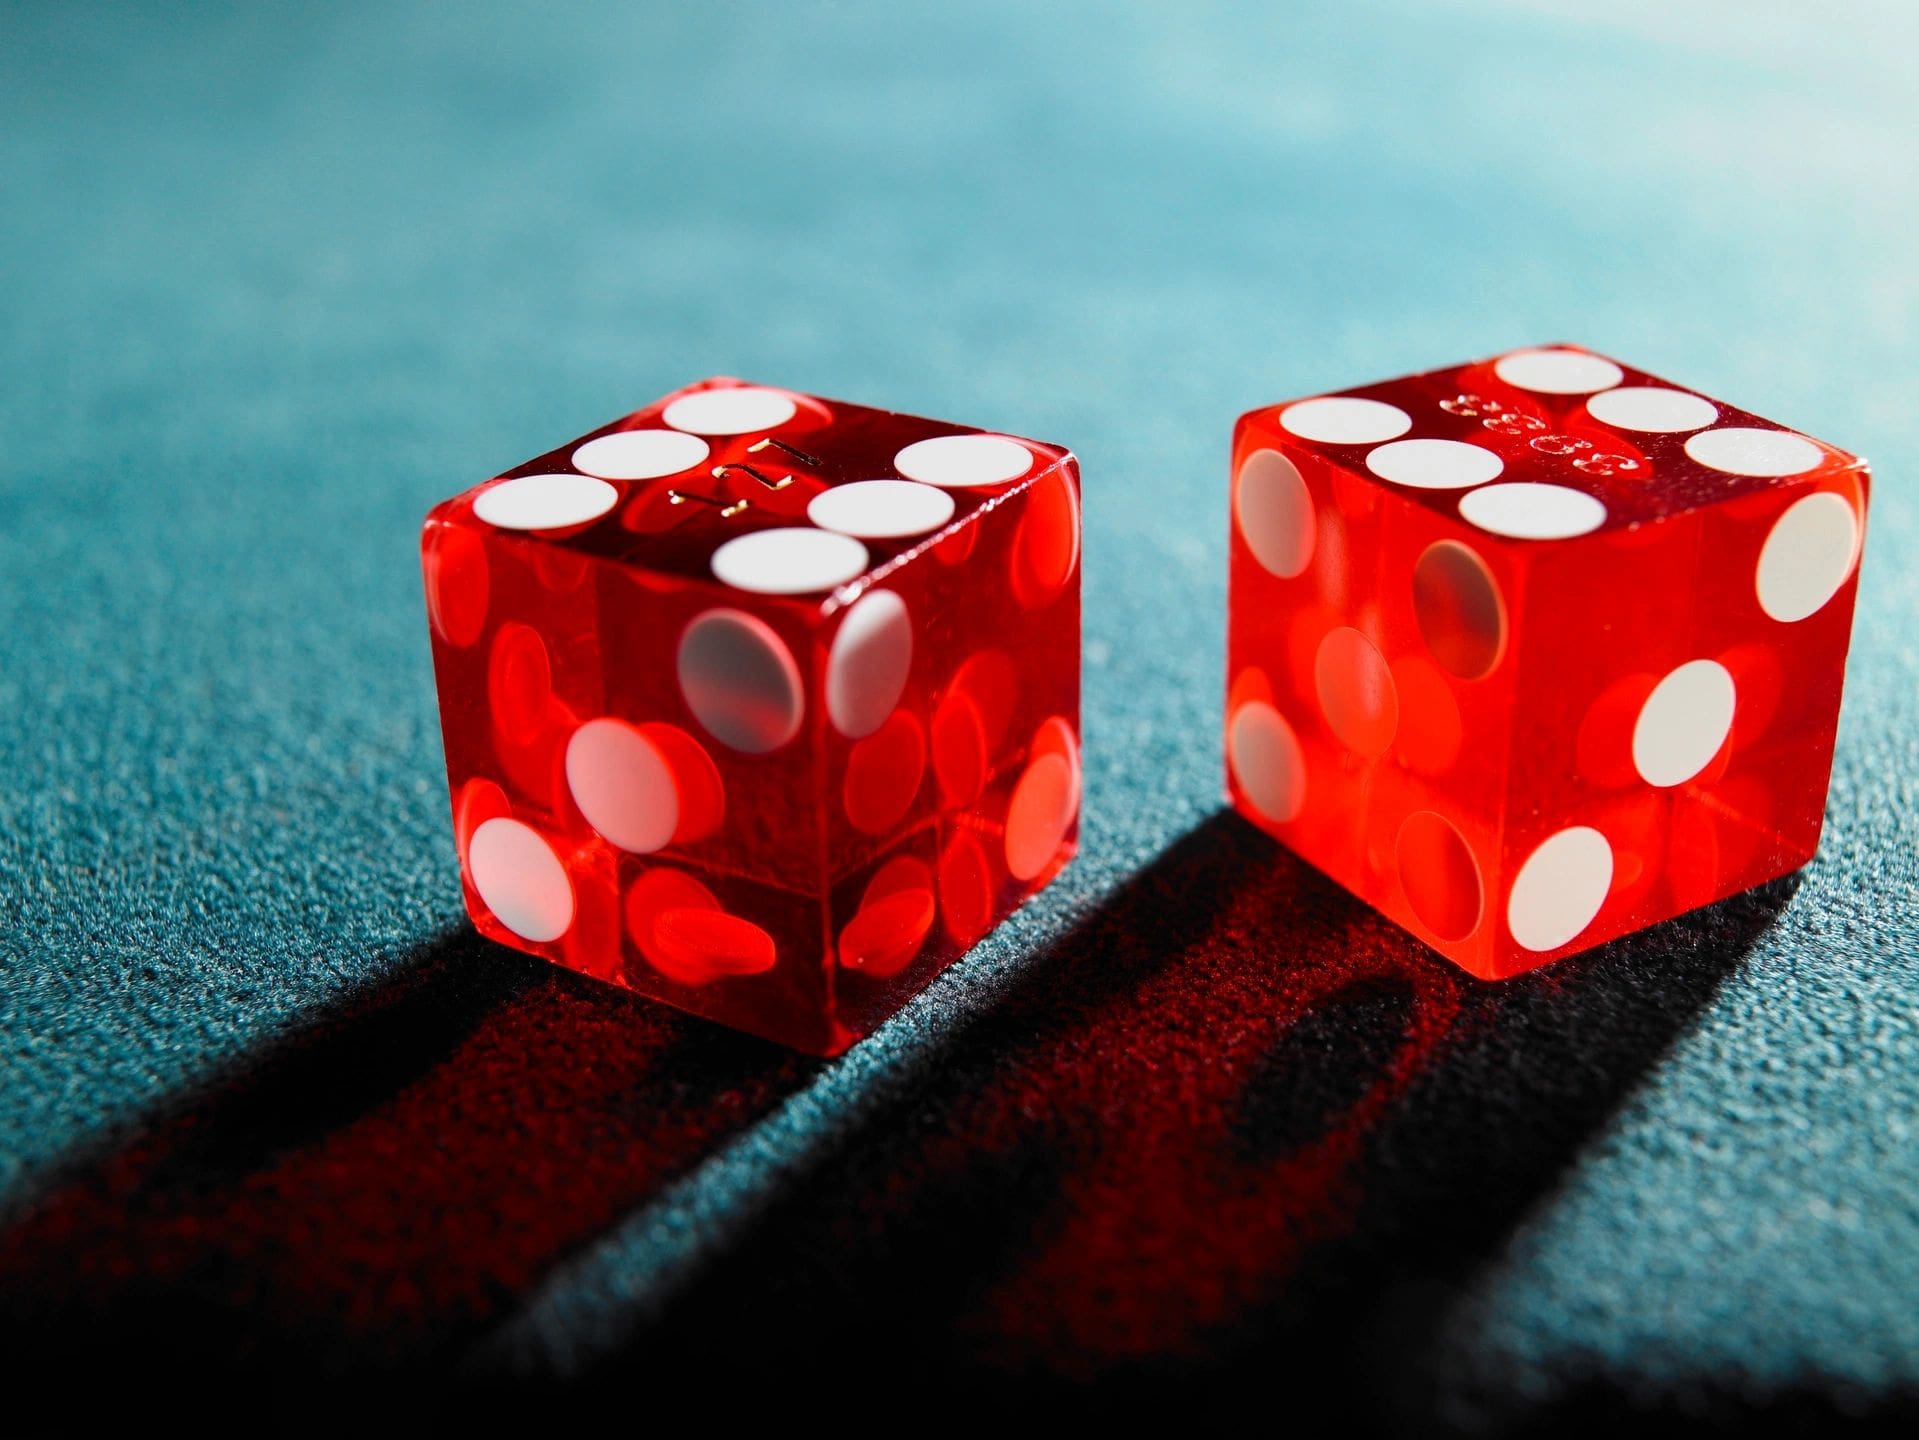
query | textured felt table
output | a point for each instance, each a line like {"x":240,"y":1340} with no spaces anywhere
{"x":276,"y":280}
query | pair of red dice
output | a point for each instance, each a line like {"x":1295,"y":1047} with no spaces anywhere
{"x":768,"y":706}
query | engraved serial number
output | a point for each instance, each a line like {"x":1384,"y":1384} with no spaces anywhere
{"x":1501,"y":419}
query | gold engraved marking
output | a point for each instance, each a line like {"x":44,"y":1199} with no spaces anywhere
{"x":799,"y":455}
{"x":1492,"y":415}
{"x":1502,"y":419}
{"x":1606,"y":465}
{"x":1560,"y":444}
{"x":727,"y":512}
{"x":719,"y":473}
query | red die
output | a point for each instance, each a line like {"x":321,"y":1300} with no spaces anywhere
{"x":763,"y":705}
{"x":1538,"y":651}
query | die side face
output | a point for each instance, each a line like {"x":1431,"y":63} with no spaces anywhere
{"x":768,"y":733}
{"x":1340,"y":720}
{"x":1601,"y":625}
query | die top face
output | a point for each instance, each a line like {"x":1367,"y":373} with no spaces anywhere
{"x":770,"y":495}
{"x":1601,"y":446}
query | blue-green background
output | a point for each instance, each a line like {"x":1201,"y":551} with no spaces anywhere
{"x":273,"y":280}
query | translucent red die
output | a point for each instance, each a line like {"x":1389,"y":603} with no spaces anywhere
{"x":763,"y":705}
{"x":1533,"y":652}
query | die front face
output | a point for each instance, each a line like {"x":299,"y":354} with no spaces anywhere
{"x":763,"y":705}
{"x":1537,"y":651}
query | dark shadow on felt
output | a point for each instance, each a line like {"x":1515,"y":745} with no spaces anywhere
{"x":373,"y":1192}
{"x":1236,"y":1130}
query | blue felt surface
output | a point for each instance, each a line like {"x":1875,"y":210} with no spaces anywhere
{"x":276,"y":280}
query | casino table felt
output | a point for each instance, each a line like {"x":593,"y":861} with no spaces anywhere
{"x":1195,"y":1120}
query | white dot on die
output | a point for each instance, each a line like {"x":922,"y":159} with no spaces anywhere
{"x":1807,"y":556}
{"x":881,"y":509}
{"x":1525,"y":510}
{"x":1275,"y":513}
{"x":1345,"y":420}
{"x":640,"y":454}
{"x":1747,"y":450}
{"x":794,"y":561}
{"x":1267,"y":761}
{"x":545,"y":502}
{"x":963,"y":461}
{"x":1652,"y":409}
{"x":623,"y":785}
{"x":1434,"y":464}
{"x":1560,"y":888}
{"x":867,"y":667}
{"x":1459,"y":608}
{"x":730,"y":412}
{"x":1356,"y":693}
{"x":1683,"y":723}
{"x":521,"y":880}
{"x":740,"y":682}
{"x":1558,"y":372}
{"x":1041,"y":809}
